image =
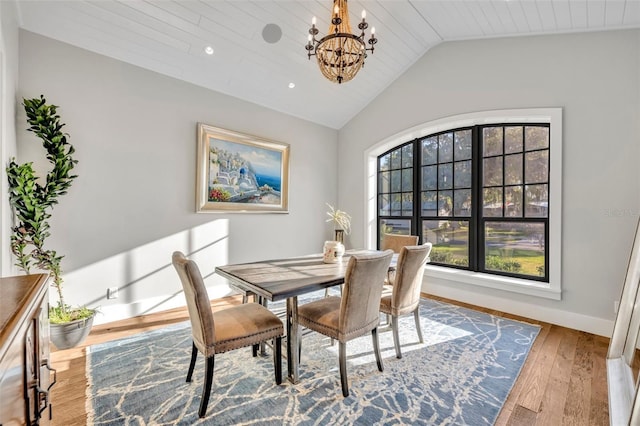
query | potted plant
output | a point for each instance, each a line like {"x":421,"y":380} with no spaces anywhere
{"x":32,"y":202}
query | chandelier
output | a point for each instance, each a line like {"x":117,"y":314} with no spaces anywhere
{"x":340,"y":53}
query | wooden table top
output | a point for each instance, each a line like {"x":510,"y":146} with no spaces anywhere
{"x":282,"y":278}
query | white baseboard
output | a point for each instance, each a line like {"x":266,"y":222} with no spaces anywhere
{"x":572,"y":320}
{"x":121,"y":311}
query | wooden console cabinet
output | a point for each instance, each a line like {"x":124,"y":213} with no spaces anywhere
{"x":25,"y":371}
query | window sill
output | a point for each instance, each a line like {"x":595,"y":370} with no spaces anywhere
{"x":514,"y":285}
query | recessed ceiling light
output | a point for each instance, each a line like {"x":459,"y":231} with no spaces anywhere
{"x":292,"y":85}
{"x":208,"y":50}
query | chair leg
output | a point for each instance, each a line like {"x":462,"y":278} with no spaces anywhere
{"x":277,"y":359}
{"x":342,"y":354}
{"x":254,"y":349}
{"x":206,"y":387}
{"x":396,"y":336}
{"x":376,"y":348}
{"x":416,"y":316}
{"x":194,"y":355}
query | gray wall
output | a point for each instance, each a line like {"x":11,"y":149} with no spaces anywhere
{"x":8,"y":87}
{"x":134,"y":201}
{"x":594,"y":77}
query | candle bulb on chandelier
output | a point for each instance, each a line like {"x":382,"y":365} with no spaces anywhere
{"x":364,"y":14}
{"x":313,"y":21}
{"x":336,"y":10}
{"x":373,"y":31}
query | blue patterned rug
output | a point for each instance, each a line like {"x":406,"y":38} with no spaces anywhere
{"x":461,"y":375}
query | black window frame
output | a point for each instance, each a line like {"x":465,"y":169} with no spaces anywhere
{"x":477,"y":221}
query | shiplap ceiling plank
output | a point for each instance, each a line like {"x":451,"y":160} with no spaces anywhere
{"x":614,"y":13}
{"x":435,"y":15}
{"x":547,"y":15}
{"x":519,"y":17}
{"x":481,"y":18}
{"x":533,"y":16}
{"x":494,"y":19}
{"x":412,"y":22}
{"x":473,"y":27}
{"x":596,"y":14}
{"x":169,"y":37}
{"x":563,"y":16}
{"x":631,"y":12}
{"x":579,"y":17}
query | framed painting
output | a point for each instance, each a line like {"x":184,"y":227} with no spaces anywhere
{"x":240,"y":173}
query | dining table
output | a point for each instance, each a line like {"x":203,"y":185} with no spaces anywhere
{"x":286,"y":279}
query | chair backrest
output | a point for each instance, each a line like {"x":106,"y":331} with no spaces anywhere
{"x":364,"y":278}
{"x":395,"y":242}
{"x":202,"y":326}
{"x":409,"y":273}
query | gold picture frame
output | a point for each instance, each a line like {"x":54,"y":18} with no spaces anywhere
{"x":237,"y":172}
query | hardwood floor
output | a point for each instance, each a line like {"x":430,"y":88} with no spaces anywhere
{"x":563,"y":381}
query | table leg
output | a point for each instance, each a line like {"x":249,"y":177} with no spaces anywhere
{"x":292,"y":339}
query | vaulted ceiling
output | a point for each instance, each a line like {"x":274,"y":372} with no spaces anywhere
{"x":170,"y":37}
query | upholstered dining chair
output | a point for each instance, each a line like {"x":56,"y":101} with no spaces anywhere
{"x":232,"y":328}
{"x":395,"y":242}
{"x":353,"y":314}
{"x":403,"y":296}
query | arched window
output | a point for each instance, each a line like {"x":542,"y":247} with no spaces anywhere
{"x":482,"y":189}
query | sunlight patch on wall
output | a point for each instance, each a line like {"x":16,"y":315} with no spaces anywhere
{"x":145,"y":277}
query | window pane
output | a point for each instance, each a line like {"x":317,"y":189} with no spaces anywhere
{"x":384,"y":184}
{"x":430,"y":203}
{"x":445,"y":176}
{"x":430,"y":177}
{"x":462,"y":202}
{"x":537,"y":200}
{"x":513,"y":201}
{"x":515,"y":247}
{"x":407,"y":203}
{"x":446,"y":147}
{"x":395,"y":159}
{"x":394,"y":226}
{"x":450,"y":241}
{"x":536,"y":138}
{"x":513,"y":169}
{"x":407,"y":179}
{"x":512,"y":139}
{"x":462,"y":145}
{"x":383,"y":203}
{"x":385,"y":161}
{"x":407,"y":155}
{"x":445,"y":203}
{"x":491,"y":141}
{"x":492,"y":202}
{"x":492,"y":171}
{"x":396,"y":181}
{"x":462,"y":176}
{"x":536,"y":168}
{"x":396,"y":204}
{"x":430,"y":150}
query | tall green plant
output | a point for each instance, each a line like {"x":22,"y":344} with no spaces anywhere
{"x":32,"y":201}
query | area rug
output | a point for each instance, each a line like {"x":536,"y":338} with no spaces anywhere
{"x":461,"y":375}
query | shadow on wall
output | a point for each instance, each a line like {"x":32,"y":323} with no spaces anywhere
{"x":145,"y":279}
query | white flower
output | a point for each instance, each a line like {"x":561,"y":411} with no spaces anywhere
{"x":341,"y":218}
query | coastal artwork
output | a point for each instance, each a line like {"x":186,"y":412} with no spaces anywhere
{"x":241,"y":172}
